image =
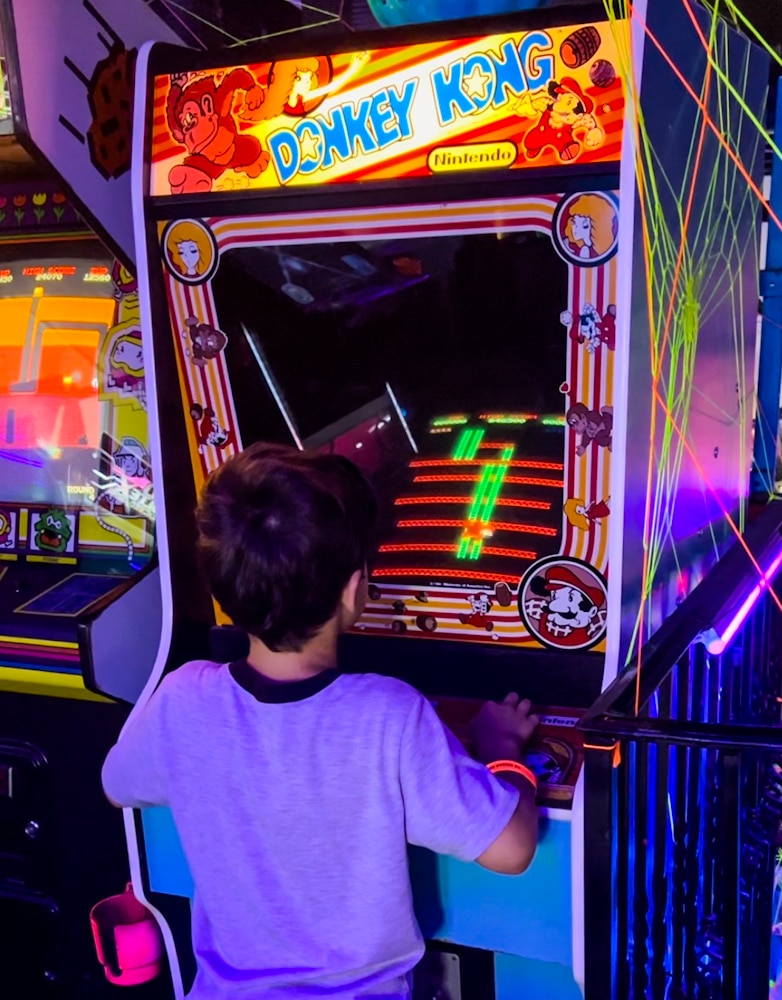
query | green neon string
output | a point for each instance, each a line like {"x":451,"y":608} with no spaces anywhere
{"x":687,"y":284}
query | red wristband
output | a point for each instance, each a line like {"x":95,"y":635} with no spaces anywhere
{"x":514,"y":766}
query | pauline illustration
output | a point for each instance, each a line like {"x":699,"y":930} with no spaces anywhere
{"x":590,"y":227}
{"x":189,"y":250}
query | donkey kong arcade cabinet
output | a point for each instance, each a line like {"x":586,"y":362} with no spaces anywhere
{"x":423,"y":251}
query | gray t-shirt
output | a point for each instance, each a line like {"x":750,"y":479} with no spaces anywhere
{"x":295,"y":805}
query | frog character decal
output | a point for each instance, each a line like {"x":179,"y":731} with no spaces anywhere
{"x":52,"y":531}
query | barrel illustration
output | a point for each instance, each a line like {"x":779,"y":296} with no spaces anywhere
{"x":579,"y":46}
{"x":602,"y":73}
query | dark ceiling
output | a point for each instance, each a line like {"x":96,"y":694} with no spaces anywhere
{"x":217,"y":23}
{"x":766,"y":16}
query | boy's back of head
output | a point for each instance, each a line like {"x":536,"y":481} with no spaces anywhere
{"x":281,"y":532}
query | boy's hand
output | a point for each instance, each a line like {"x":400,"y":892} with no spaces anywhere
{"x":502,"y":730}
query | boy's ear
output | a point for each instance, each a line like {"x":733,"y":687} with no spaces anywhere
{"x":350,"y":595}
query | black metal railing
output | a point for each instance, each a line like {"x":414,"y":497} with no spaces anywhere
{"x":683,"y":798}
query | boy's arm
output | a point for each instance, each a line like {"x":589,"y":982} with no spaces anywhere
{"x":133,"y":773}
{"x":500,"y":732}
{"x":512,"y":852}
{"x":454,"y":805}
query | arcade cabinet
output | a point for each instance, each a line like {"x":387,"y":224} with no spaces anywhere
{"x":80,"y":608}
{"x":419,"y":250}
{"x":76,"y":569}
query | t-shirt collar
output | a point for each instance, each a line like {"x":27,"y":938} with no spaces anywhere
{"x":278,"y":692}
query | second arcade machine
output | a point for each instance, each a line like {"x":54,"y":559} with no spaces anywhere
{"x":76,"y":544}
{"x":418,"y":255}
{"x":80,"y":610}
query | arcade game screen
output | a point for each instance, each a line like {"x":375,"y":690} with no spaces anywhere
{"x":51,"y":321}
{"x":67,"y":433}
{"x":435,"y":364}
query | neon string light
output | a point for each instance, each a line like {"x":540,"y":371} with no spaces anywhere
{"x":552,"y":421}
{"x":528,"y":529}
{"x":498,"y":444}
{"x":501,"y":502}
{"x":515,"y":464}
{"x":717,"y":643}
{"x":440,"y":430}
{"x":437,"y":572}
{"x":515,"y":480}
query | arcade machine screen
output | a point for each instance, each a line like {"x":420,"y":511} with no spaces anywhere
{"x":75,"y":495}
{"x":435,"y":364}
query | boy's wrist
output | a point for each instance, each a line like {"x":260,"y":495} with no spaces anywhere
{"x":500,"y":749}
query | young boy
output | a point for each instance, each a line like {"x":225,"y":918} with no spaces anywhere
{"x":296,"y":789}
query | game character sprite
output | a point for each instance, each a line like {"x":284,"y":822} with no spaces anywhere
{"x":53,"y":531}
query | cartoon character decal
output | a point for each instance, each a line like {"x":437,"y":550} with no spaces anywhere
{"x":131,"y":459}
{"x":209,"y":433}
{"x":585,"y":228}
{"x":129,"y":477}
{"x":125,"y":282}
{"x":190,"y":251}
{"x":586,"y":517}
{"x":200,"y":117}
{"x":125,"y":369}
{"x":481,"y":605}
{"x":206,"y":341}
{"x":564,"y":113}
{"x":595,"y":427}
{"x":53,"y":531}
{"x":590,"y":328}
{"x":121,"y":355}
{"x":6,"y":529}
{"x":301,"y":84}
{"x":127,"y":491}
{"x":562,"y":601}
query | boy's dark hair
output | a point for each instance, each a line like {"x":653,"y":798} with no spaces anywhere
{"x":280,"y":534}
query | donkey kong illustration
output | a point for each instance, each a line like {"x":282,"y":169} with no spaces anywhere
{"x":200,"y":114}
